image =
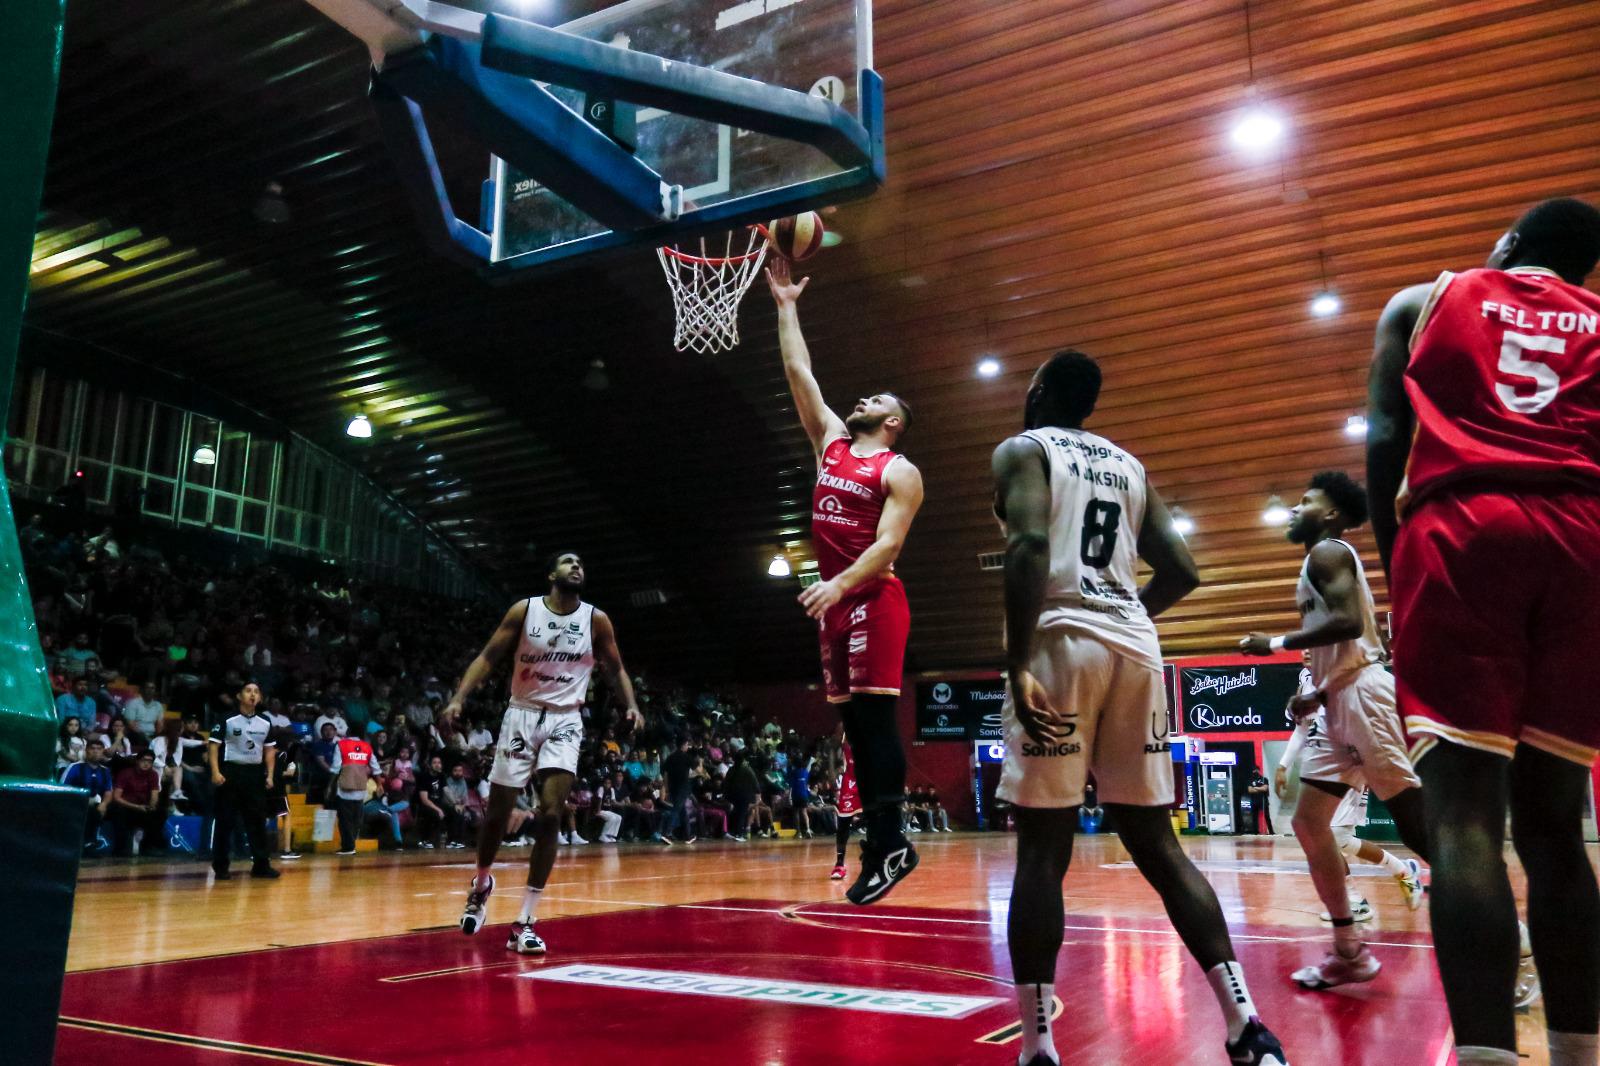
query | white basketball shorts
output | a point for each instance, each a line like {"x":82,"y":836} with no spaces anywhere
{"x":1364,"y":743}
{"x":534,"y":741}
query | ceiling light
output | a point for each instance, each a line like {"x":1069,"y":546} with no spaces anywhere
{"x":1182,"y":524}
{"x":1256,"y":131}
{"x":988,"y":368}
{"x":596,"y":379}
{"x":272,"y":208}
{"x":1325,"y":304}
{"x":1276,"y":514}
{"x":359,"y":427}
{"x":205,"y":455}
{"x":1355,"y":426}
{"x":779,"y":567}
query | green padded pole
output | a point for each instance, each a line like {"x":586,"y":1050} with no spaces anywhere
{"x":30,"y":64}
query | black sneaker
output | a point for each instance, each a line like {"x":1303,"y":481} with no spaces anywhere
{"x":1256,"y":1046}
{"x":1041,"y":1059}
{"x":881,"y":871}
{"x":222,"y":875}
{"x":265,"y":871}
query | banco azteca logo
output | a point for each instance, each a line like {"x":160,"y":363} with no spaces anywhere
{"x":830,"y":505}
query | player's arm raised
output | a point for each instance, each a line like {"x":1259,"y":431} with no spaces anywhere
{"x":1389,"y":416}
{"x":1173,"y":573}
{"x":820,"y":423}
{"x":904,"y":483}
{"x":501,"y":643}
{"x":1022,"y":503}
{"x":608,"y":657}
{"x":1332,"y":570}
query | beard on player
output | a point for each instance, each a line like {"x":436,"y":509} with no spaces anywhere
{"x":861,"y":422}
{"x":566,"y":573}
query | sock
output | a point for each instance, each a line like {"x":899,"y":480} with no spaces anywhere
{"x":1227,"y":982}
{"x":1395,"y":865}
{"x":1574,"y":1049}
{"x":1033,"y":1007}
{"x":530,"y":905}
{"x":1523,"y":943}
{"x":1346,"y":939}
{"x":1485,"y":1056}
{"x":481,"y":880}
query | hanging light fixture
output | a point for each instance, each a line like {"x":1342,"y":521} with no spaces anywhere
{"x":1275,"y":514}
{"x":205,"y":455}
{"x":1259,"y":128}
{"x":779,"y":567}
{"x":359,"y":427}
{"x":596,"y":380}
{"x":988,"y":367}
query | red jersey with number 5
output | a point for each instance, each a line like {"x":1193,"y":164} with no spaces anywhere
{"x":846,"y":506}
{"x":1504,"y":378}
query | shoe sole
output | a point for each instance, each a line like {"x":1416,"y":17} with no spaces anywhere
{"x":905,"y":872}
{"x":513,"y":947}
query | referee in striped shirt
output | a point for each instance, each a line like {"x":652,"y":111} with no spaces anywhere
{"x":242,"y":759}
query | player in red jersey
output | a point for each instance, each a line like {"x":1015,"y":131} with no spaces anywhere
{"x":1483,"y":461}
{"x":861,"y":509}
{"x":849,"y":807}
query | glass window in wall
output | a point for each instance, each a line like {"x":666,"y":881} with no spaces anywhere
{"x":57,"y":408}
{"x":231,"y":457}
{"x":258,"y":472}
{"x":98,"y":437}
{"x":22,"y":391}
{"x":159,"y":496}
{"x":166,"y":439}
{"x":133,"y":438}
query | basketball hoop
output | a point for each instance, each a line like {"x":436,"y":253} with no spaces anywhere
{"x":706,"y":289}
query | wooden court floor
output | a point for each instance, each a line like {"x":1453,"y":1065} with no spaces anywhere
{"x":656,"y":947}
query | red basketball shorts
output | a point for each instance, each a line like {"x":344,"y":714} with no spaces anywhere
{"x":864,"y":642}
{"x":1497,"y":622}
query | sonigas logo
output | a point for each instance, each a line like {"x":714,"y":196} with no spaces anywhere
{"x":1221,"y":686}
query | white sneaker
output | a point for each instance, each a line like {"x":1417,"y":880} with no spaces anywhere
{"x":563,"y":838}
{"x":138,"y":839}
{"x":1527,"y":991}
{"x":576,"y":839}
{"x":1411,"y":884}
{"x":1360,"y":910}
{"x":524,"y":941}
{"x":608,"y":839}
{"x":1335,"y":969}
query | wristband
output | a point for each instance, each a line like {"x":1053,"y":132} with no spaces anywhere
{"x":1276,"y":643}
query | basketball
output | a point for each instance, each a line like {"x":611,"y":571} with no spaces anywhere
{"x":797,"y":237}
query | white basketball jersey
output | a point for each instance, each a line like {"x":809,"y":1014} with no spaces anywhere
{"x":1333,"y":665}
{"x":554,"y":658}
{"x":1097,"y":501}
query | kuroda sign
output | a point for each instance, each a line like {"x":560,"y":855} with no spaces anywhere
{"x":767,"y":991}
{"x":1237,"y":699}
{"x":960,"y":710}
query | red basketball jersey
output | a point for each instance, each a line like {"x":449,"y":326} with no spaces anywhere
{"x":846,"y":505}
{"x":1504,"y":378}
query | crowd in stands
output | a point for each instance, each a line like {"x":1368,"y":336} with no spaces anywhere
{"x":146,"y":654}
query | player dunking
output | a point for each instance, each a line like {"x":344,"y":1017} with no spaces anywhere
{"x":1483,"y":458}
{"x":865,"y":498}
{"x":1365,"y":744}
{"x":1084,"y":693}
{"x":558,"y":640}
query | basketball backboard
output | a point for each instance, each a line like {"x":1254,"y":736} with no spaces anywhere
{"x":728,"y":176}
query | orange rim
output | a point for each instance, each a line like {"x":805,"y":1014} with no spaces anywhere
{"x":718,"y":260}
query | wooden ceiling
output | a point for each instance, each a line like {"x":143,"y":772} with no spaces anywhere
{"x":1061,"y":174}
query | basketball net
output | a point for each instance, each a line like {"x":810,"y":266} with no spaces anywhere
{"x":706,"y":289}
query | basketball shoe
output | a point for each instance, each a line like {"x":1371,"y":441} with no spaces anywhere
{"x":1360,"y":910}
{"x":524,"y":941}
{"x":1411,"y":884}
{"x":1256,"y":1046}
{"x":881,"y":870}
{"x":838,"y":873}
{"x":1335,"y":969}
{"x":472,"y":919}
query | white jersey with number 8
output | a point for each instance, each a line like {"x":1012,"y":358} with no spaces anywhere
{"x":1097,"y":504}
